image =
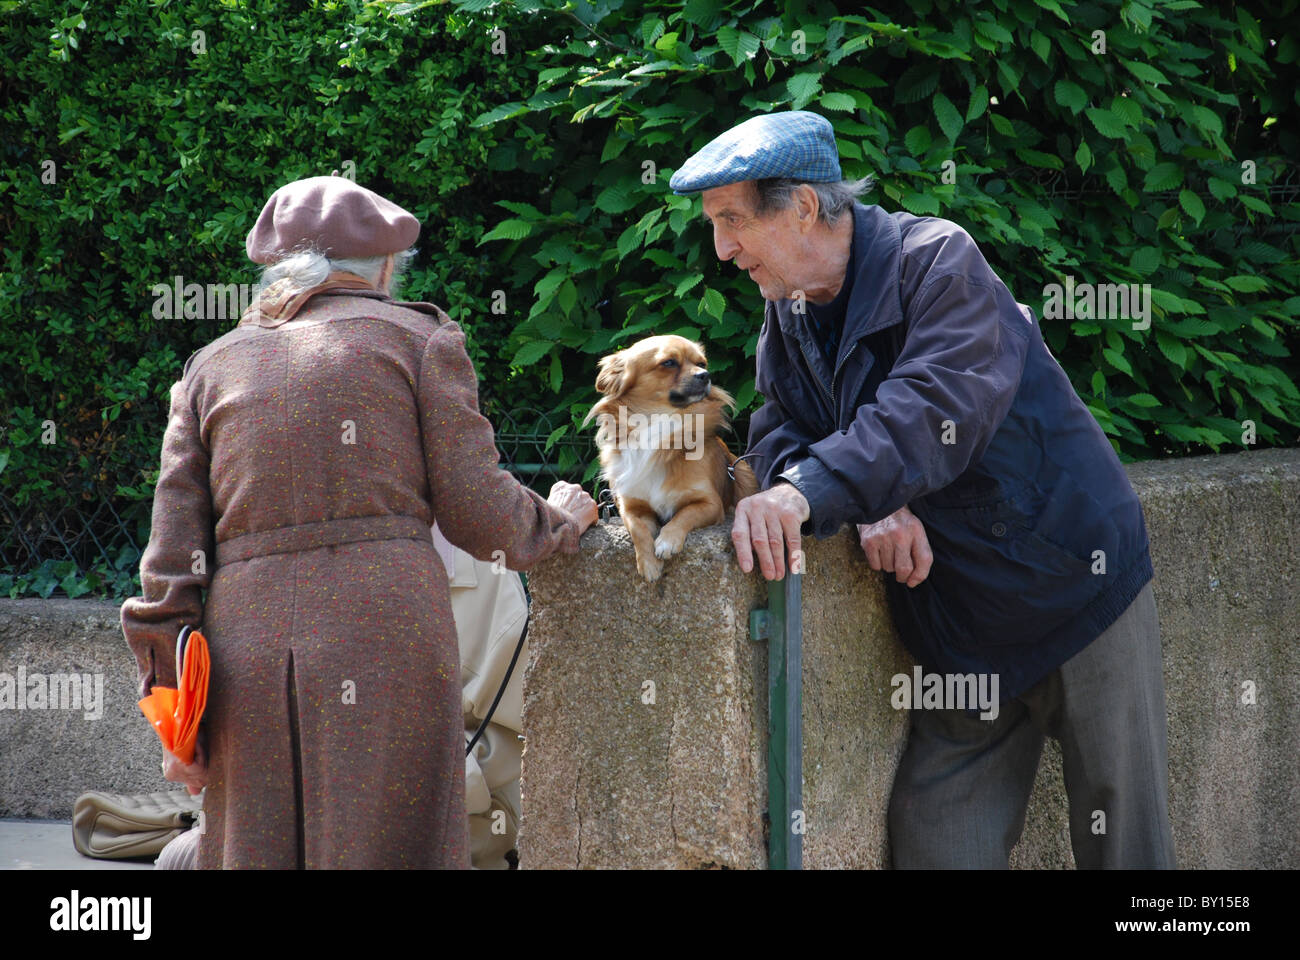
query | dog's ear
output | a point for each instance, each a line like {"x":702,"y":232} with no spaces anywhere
{"x":613,"y":373}
{"x":603,"y":406}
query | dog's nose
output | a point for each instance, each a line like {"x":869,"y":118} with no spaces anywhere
{"x":701,"y":380}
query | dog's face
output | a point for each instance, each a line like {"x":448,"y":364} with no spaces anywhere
{"x":658,"y":374}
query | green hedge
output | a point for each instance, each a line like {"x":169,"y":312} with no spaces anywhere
{"x":528,"y":167}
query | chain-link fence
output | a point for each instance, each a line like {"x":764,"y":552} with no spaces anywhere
{"x":93,"y":545}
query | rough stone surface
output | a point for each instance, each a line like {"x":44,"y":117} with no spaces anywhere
{"x":611,"y":781}
{"x":50,"y":757}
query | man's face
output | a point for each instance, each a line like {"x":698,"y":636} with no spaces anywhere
{"x":769,"y":248}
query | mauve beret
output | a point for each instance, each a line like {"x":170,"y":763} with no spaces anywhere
{"x":793,"y":143}
{"x":332,"y":215}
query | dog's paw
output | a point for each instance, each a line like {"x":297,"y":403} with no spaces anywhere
{"x":649,"y":567}
{"x":668,"y":545}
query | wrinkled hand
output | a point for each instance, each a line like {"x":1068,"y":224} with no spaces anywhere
{"x":770,"y":521}
{"x":575,"y":501}
{"x":193,"y":775}
{"x":898,"y":545}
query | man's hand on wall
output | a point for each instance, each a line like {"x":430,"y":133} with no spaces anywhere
{"x":898,"y":545}
{"x":770,"y":521}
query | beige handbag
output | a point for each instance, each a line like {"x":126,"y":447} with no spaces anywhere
{"x":114,"y":826}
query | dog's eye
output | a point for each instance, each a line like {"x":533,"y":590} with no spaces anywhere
{"x":669,"y":363}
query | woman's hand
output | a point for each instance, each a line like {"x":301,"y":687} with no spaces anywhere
{"x":193,"y":775}
{"x":575,"y":501}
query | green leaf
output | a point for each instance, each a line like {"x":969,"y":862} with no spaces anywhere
{"x":567,"y":297}
{"x":838,"y":101}
{"x":615,"y":198}
{"x":503,"y":112}
{"x":1145,"y":260}
{"x":1071,"y":95}
{"x":686,"y":285}
{"x":740,"y":45}
{"x":1145,"y":72}
{"x":979,"y":102}
{"x":1040,"y":45}
{"x":1142,"y":400}
{"x":508,"y":230}
{"x":802,"y":87}
{"x":1247,"y":283}
{"x":1256,"y":204}
{"x":1107,"y":124}
{"x":1222,"y":189}
{"x":917,"y":140}
{"x":1002,"y":125}
{"x":950,"y":119}
{"x":713,"y":303}
{"x":531,"y":352}
{"x":1193,"y":204}
{"x":1116,"y":360}
{"x":1083,"y":156}
{"x":1163,"y":176}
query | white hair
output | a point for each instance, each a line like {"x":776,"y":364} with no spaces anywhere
{"x":308,"y":268}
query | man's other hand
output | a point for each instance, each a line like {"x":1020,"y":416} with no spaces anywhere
{"x":770,"y":521}
{"x":898,"y":545}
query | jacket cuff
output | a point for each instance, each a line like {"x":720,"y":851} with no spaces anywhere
{"x":826,"y":496}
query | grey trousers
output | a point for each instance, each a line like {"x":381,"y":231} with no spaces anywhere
{"x":963,"y":784}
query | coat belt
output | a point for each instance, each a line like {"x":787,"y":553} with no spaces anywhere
{"x":326,"y":533}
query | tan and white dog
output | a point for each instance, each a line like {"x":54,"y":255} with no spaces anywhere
{"x":659,"y":446}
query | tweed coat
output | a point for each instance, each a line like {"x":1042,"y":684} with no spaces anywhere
{"x":303,"y":464}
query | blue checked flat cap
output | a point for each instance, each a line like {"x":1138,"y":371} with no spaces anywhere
{"x":794,"y":143}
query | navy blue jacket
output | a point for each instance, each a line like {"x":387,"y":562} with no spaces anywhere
{"x":945,"y":398}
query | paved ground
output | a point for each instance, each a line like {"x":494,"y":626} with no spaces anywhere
{"x":47,"y":845}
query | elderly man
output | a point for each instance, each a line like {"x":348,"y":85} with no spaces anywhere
{"x":909,"y":393}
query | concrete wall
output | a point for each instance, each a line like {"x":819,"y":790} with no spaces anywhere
{"x":50,"y":757}
{"x":611,"y":780}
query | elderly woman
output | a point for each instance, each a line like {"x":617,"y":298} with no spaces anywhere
{"x":307,"y":453}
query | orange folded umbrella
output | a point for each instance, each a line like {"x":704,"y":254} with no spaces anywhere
{"x":175,"y":714}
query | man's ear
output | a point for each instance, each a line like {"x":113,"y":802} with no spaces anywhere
{"x":613,"y":373}
{"x":807,"y":205}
